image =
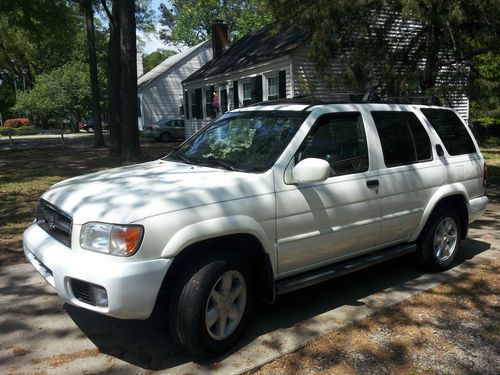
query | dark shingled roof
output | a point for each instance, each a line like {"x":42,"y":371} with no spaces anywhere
{"x":256,"y":47}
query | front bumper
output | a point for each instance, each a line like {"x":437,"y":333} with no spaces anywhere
{"x":132,"y":287}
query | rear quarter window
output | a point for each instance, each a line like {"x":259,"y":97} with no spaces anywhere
{"x":451,"y":130}
{"x":403,"y":138}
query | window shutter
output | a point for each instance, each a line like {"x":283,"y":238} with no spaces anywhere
{"x":198,"y":104}
{"x":236,"y":97}
{"x":186,"y":105}
{"x":282,"y":84}
{"x":256,"y":89}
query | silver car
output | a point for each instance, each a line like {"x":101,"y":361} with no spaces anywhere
{"x":165,"y":130}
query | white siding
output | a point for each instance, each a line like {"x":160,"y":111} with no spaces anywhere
{"x":307,"y":82}
{"x":162,"y":97}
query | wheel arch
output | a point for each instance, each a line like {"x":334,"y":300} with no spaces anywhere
{"x":455,"y":196}
{"x":240,"y":233}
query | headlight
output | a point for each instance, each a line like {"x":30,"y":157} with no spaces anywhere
{"x":122,"y":240}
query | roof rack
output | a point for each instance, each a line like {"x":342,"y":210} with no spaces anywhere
{"x":294,"y":100}
{"x":425,"y":100}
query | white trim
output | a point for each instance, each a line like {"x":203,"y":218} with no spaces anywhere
{"x":265,"y":85}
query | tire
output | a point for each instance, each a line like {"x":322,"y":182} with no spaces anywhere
{"x":210,"y":309}
{"x":440,"y":240}
{"x":165,"y":137}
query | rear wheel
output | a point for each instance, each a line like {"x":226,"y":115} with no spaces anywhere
{"x":165,"y":137}
{"x":440,"y":240}
{"x":211,"y":307}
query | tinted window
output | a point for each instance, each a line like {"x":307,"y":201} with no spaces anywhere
{"x":403,"y":138}
{"x":340,"y":140}
{"x":451,"y":130}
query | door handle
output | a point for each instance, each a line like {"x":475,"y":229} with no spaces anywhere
{"x":372,"y":183}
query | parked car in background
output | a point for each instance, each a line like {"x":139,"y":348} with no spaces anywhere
{"x":165,"y":130}
{"x":88,"y":126}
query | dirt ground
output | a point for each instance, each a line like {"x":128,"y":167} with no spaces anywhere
{"x":453,"y":328}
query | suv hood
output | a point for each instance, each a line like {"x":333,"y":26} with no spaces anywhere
{"x":127,"y":194}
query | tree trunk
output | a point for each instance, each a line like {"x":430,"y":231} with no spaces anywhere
{"x":114,"y":77}
{"x":128,"y":57}
{"x":94,"y":84}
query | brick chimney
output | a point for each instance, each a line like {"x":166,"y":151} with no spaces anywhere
{"x":220,"y":39}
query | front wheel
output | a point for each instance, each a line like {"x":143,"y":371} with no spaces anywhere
{"x":211,"y":309}
{"x":440,"y":239}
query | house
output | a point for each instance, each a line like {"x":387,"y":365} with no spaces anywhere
{"x":160,"y":89}
{"x":263,"y":65}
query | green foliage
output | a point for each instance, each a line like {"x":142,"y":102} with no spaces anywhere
{"x":16,"y":123}
{"x":63,"y":92}
{"x":485,"y":92}
{"x":188,"y":22}
{"x":155,"y":58}
{"x":362,"y":36}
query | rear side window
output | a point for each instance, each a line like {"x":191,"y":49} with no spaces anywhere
{"x":451,"y":130}
{"x":403,"y":138}
{"x":340,"y":140}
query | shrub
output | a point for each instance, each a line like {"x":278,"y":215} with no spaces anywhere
{"x":16,"y":123}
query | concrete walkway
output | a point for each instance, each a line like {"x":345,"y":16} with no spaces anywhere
{"x":39,"y":333}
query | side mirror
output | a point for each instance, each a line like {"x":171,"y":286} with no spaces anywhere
{"x":311,"y":170}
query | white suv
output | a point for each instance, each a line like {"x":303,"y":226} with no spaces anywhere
{"x":262,"y":201}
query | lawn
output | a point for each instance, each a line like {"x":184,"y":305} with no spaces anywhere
{"x":27,"y":172}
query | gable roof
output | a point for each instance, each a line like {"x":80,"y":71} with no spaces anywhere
{"x":256,"y":47}
{"x":168,"y":63}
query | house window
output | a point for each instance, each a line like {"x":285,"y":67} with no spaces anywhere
{"x":272,"y":88}
{"x":208,"y":103}
{"x":247,"y":93}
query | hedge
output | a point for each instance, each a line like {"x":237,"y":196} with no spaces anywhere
{"x":16,"y":123}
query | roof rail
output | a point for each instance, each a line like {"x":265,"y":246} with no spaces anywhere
{"x":425,"y":100}
{"x":419,"y":99}
{"x":294,"y":100}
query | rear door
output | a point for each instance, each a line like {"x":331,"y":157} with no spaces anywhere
{"x":411,"y":174}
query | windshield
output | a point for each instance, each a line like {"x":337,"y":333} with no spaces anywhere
{"x":241,"y":141}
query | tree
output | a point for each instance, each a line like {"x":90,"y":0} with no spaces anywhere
{"x":34,"y":38}
{"x":188,"y":22}
{"x":131,"y":149}
{"x":114,"y":78}
{"x":94,"y":82}
{"x":154,"y":58}
{"x":449,"y":35}
{"x":62,"y":93}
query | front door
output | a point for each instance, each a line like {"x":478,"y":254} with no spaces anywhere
{"x":335,"y":219}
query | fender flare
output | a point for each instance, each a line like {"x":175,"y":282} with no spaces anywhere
{"x":218,"y":227}
{"x":441,"y":193}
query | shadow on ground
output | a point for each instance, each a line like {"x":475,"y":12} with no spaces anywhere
{"x":148,"y":344}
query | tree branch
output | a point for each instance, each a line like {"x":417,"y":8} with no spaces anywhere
{"x":106,"y":9}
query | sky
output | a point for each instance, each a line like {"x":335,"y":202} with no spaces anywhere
{"x":152,"y":40}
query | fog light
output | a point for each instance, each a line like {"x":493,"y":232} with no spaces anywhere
{"x":100,"y":296}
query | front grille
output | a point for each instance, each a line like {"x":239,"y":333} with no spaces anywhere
{"x":82,"y":291}
{"x":54,"y":221}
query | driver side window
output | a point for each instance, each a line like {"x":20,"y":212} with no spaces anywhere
{"x":340,"y":140}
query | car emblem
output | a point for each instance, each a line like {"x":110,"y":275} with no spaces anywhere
{"x":51,"y":221}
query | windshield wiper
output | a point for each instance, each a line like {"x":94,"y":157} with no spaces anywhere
{"x":182,"y":158}
{"x":219,"y":163}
